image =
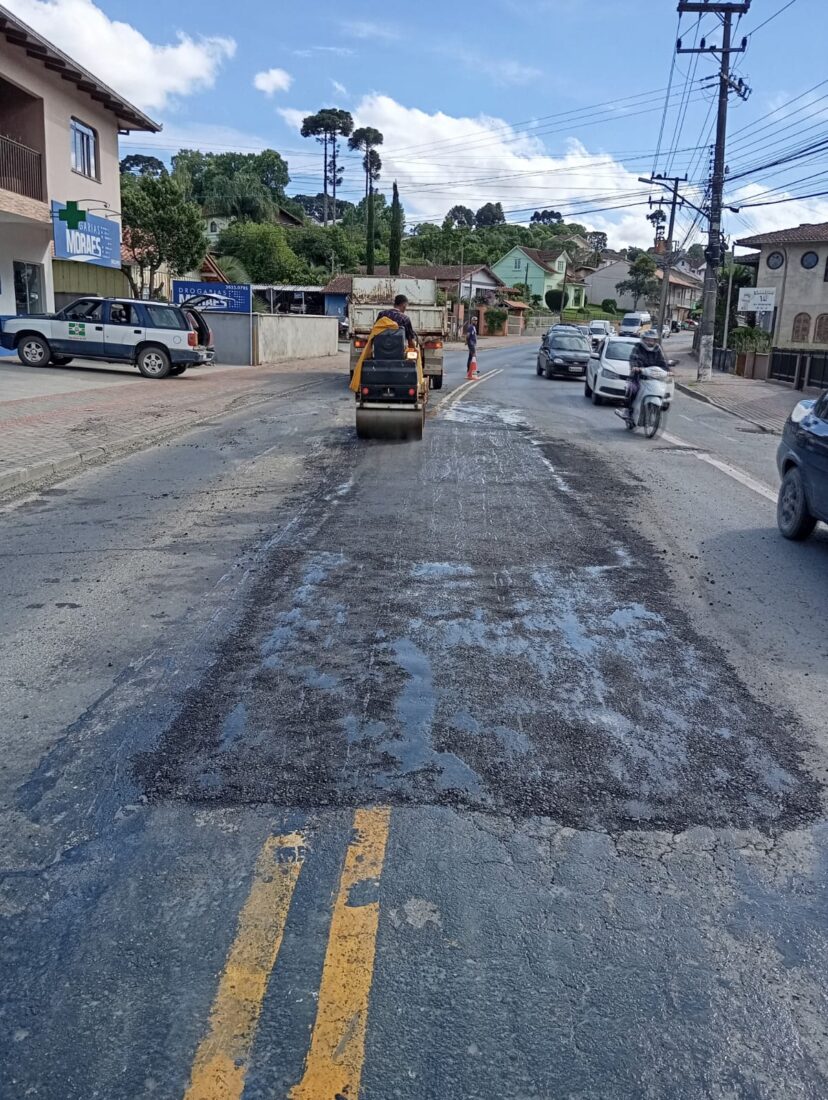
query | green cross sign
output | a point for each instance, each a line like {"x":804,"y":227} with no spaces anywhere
{"x":72,"y":215}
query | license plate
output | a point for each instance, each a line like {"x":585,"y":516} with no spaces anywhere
{"x":575,"y":368}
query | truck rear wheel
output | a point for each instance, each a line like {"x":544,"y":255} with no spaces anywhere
{"x":436,"y":381}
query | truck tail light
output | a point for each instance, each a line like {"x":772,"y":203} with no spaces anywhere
{"x":365,"y":391}
{"x":432,"y":345}
{"x":192,"y":339}
{"x":360,"y":343}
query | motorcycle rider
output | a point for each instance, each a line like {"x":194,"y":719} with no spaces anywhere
{"x":646,"y":353}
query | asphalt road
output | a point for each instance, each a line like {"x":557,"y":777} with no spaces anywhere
{"x":487,"y":767}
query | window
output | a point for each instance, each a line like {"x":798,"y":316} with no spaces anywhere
{"x":517,"y":263}
{"x":28,"y":288}
{"x":84,"y":310}
{"x":801,"y":328}
{"x":821,"y":329}
{"x":775,"y":261}
{"x":809,"y":260}
{"x":84,"y":150}
{"x":560,"y":265}
{"x":214,"y":227}
{"x":165,"y":317}
{"x":122,"y":313}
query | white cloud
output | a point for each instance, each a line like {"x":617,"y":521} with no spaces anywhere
{"x":144,"y":72}
{"x":340,"y":89}
{"x":502,"y":70}
{"x":294,"y":117}
{"x":339,"y":51}
{"x":361,"y":28}
{"x":272,"y":80}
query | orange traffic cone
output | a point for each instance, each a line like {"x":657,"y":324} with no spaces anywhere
{"x":472,"y":371}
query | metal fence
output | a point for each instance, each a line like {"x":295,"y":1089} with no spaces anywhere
{"x":783,"y":365}
{"x":724,"y":359}
{"x":818,"y":374}
{"x":20,"y":169}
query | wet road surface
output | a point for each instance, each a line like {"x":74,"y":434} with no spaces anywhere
{"x":492,"y":766}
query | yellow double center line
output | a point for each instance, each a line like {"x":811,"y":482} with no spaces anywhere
{"x":334,"y":1063}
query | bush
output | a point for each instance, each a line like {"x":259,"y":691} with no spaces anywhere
{"x":495,"y":319}
{"x":748,"y":339}
{"x":609,"y":305}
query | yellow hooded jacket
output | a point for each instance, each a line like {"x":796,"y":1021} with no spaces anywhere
{"x":383,"y":324}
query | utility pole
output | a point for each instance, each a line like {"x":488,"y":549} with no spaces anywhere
{"x":713,"y":253}
{"x":672,"y":184}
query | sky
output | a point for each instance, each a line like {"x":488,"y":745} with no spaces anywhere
{"x":531,"y":103}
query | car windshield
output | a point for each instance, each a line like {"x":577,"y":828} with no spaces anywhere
{"x":631,"y":321}
{"x":597,"y":328}
{"x":569,"y":343}
{"x":617,"y":350}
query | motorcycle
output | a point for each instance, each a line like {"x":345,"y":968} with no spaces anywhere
{"x":652,"y":402}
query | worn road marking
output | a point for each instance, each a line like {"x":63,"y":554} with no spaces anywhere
{"x":733,"y":472}
{"x":334,"y":1064}
{"x":221,"y":1061}
{"x":461,"y":391}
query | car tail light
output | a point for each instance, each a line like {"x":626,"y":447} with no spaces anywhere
{"x":432,"y":344}
{"x":365,"y":391}
{"x":360,"y":343}
{"x":209,"y":337}
{"x":192,"y":339}
{"x":412,"y":392}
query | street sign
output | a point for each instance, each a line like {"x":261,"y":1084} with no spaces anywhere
{"x":757,"y":299}
{"x":84,"y":238}
{"x":228,"y":297}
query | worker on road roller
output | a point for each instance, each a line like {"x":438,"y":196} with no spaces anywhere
{"x":391,"y":390}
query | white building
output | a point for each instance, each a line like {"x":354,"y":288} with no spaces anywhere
{"x":59,"y":130}
{"x":685,"y":290}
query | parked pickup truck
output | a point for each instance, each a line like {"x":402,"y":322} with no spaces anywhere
{"x":372,"y":294}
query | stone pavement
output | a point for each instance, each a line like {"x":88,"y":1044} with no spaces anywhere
{"x":65,"y":421}
{"x":767,"y":405}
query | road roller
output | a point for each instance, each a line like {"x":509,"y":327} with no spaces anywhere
{"x":390,"y":389}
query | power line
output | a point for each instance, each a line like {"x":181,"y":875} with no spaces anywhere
{"x":771,"y":17}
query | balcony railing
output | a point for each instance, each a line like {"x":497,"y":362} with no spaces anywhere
{"x":20,"y":169}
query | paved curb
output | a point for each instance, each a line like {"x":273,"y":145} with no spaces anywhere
{"x":733,"y":412}
{"x":46,"y":471}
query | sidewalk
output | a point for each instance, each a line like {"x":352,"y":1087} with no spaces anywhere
{"x":57,"y":421}
{"x":766,"y":405}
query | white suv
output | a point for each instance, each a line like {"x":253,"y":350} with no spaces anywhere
{"x":159,"y":338}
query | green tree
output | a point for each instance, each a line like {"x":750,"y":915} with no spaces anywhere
{"x":334,"y":247}
{"x":263,"y":250}
{"x":136,"y":164}
{"x":370,"y":243}
{"x":242,"y":196}
{"x":491,"y":213}
{"x":695,"y":255}
{"x":641,"y":281}
{"x":742,"y":276}
{"x":459,"y":217}
{"x":205,"y":175}
{"x":397,"y":229}
{"x":327,"y":126}
{"x":547,"y":217}
{"x":160,"y":228}
{"x":365,"y":139}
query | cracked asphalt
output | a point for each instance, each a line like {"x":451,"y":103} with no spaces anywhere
{"x":488,"y":767}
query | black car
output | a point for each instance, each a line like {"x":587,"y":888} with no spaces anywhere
{"x":802,"y":459}
{"x":564,"y":353}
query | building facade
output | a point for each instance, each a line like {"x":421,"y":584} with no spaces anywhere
{"x":685,"y":290}
{"x":59,"y":173}
{"x":540,"y":270}
{"x":794,"y":262}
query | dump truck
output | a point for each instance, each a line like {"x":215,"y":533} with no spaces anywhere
{"x":372,"y":294}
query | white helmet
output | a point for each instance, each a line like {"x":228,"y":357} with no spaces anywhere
{"x":650,"y":334}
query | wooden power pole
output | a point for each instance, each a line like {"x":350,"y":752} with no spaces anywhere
{"x":713,"y":253}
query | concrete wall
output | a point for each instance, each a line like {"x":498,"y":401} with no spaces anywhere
{"x":231,"y":336}
{"x":601,"y":284}
{"x":61,"y":102}
{"x":31,"y":242}
{"x":294,"y":336}
{"x":798,"y":290}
